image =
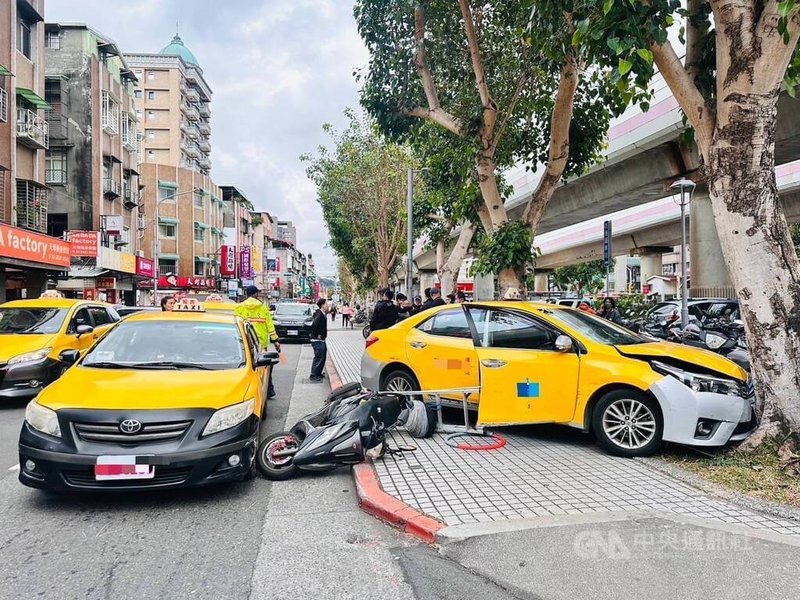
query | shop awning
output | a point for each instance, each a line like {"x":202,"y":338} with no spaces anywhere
{"x":168,"y":220}
{"x":33,"y":98}
{"x":202,"y":225}
{"x":4,"y":71}
{"x":203,"y":259}
{"x":168,"y":256}
{"x":86,"y":273}
{"x":167,"y":184}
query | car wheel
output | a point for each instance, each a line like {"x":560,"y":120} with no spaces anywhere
{"x":628,"y":423}
{"x":399,"y":381}
{"x":277,"y":468}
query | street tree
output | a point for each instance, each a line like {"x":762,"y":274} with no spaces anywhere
{"x":503,"y":81}
{"x":582,"y":278}
{"x":361,"y":186}
{"x":739,"y":56}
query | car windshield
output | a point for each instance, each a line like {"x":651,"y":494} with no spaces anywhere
{"x":31,"y":320}
{"x":169,"y":344}
{"x":293,"y":310}
{"x":596,"y":329}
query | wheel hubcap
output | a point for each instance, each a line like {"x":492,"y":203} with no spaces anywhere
{"x":629,"y":424}
{"x":398,"y":384}
{"x":277,"y":445}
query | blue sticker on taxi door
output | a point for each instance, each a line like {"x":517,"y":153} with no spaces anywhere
{"x":528,"y":389}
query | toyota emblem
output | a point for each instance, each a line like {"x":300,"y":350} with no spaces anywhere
{"x":130,"y":426}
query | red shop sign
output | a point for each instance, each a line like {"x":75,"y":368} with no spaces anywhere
{"x":84,"y":243}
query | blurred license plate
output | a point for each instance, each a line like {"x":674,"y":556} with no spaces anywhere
{"x":292,"y":332}
{"x":121,"y":467}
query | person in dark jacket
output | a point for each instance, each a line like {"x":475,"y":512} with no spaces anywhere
{"x":385,"y":313}
{"x":403,"y":306}
{"x":436,"y":298}
{"x":609,"y":311}
{"x":319,"y":332}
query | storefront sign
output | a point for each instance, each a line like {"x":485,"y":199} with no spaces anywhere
{"x":227,"y":267}
{"x":173,"y":281}
{"x":245,"y":265}
{"x":272,"y":264}
{"x":105,"y":283}
{"x":127,"y":263}
{"x":256,"y":261}
{"x":84,"y":244}
{"x":90,"y":294}
{"x":145,"y":267}
{"x":35,"y":247}
{"x":113,"y":224}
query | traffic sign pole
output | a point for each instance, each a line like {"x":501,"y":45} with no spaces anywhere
{"x":607,"y":255}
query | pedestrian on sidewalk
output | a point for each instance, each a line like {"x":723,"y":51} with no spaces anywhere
{"x":461,"y":297}
{"x":332,"y":310}
{"x":403,"y":306}
{"x":319,"y":333}
{"x":385,"y":313}
{"x":347,"y":312}
{"x":257,"y":314}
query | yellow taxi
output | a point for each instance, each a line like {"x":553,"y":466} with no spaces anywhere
{"x":163,"y":400}
{"x":540,"y":363}
{"x":33,"y":333}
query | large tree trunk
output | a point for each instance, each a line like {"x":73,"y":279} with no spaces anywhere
{"x":757,"y":248}
{"x":448,"y":269}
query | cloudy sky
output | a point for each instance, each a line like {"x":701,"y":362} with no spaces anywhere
{"x":279,"y":69}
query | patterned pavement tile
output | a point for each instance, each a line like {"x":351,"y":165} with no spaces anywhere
{"x":531,"y":476}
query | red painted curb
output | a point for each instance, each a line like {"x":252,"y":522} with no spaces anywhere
{"x":378,"y":503}
{"x":333,"y":374}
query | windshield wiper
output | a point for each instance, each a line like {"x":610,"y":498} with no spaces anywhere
{"x":107,"y":365}
{"x":169,"y":364}
{"x":21,"y":332}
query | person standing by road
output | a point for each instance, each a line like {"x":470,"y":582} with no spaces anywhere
{"x":333,"y":312}
{"x":319,"y":333}
{"x":257,"y":314}
{"x":167,"y":303}
{"x":385,"y":313}
{"x":436,"y":298}
{"x":609,"y":311}
{"x":347,"y":312}
{"x":461,"y":297}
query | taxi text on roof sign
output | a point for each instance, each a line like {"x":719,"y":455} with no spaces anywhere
{"x":188,"y":305}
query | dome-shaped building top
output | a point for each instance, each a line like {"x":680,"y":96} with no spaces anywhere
{"x":177,"y":48}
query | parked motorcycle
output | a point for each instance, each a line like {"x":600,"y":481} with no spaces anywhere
{"x":348,"y":428}
{"x":724,"y":342}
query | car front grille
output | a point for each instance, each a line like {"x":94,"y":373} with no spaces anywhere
{"x":163,"y":476}
{"x":150,"y":432}
{"x":747,"y":390}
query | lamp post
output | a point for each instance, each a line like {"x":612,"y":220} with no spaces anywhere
{"x":410,"y":230}
{"x":155,"y":237}
{"x":682,"y":192}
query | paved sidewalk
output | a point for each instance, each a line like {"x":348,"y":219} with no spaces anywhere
{"x":541,"y":472}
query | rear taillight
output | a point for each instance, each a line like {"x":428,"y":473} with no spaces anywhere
{"x":369,"y":341}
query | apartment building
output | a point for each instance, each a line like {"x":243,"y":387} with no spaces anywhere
{"x":24,"y":138}
{"x":173,"y":103}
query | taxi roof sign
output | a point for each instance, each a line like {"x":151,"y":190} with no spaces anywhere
{"x":188,"y":305}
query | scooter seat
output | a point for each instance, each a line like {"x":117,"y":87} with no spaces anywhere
{"x":383,"y":409}
{"x":347,"y":390}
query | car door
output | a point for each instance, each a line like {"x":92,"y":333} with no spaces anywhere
{"x":254,"y":347}
{"x":523,"y":378}
{"x":80,"y":316}
{"x":441,"y":353}
{"x":102,"y":319}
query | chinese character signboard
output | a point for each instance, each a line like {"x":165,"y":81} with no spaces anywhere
{"x":84,"y":244}
{"x":145,"y":267}
{"x":105,"y":283}
{"x":245,"y":265}
{"x":21,"y":244}
{"x":227,"y":267}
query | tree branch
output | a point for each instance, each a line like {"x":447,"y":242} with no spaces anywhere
{"x":485,"y":218}
{"x":693,"y":38}
{"x":436,"y":115}
{"x":686,"y":93}
{"x":489,"y":105}
{"x":508,"y":113}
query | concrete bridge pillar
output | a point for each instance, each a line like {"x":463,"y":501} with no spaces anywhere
{"x":483,"y":287}
{"x":651,"y":264}
{"x":619,"y":275}
{"x":541,"y":281}
{"x":708,"y":271}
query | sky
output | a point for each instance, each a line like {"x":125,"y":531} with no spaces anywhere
{"x":278,"y":70}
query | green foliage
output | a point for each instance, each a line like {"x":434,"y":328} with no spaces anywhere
{"x":583,"y":278}
{"x":631,"y":306}
{"x":509,"y":247}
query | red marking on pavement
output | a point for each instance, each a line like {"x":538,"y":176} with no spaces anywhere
{"x":378,"y":503}
{"x":333,"y":374}
{"x":499,"y":442}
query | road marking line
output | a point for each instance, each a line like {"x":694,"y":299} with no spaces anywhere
{"x":14,"y":468}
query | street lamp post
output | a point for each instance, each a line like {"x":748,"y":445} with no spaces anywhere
{"x":686,"y":188}
{"x":410,"y":233}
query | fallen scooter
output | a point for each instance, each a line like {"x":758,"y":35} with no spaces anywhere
{"x":349,"y":427}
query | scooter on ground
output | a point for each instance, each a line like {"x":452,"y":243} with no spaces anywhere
{"x":348,"y":428}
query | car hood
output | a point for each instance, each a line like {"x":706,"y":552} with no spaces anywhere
{"x":687,"y":354}
{"x":13,"y":344}
{"x":84,"y":387}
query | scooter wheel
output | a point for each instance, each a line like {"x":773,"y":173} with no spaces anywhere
{"x":277,"y":468}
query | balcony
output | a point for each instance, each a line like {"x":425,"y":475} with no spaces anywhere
{"x":185,"y":125}
{"x":204,"y":127}
{"x":204,"y":163}
{"x":204,"y":145}
{"x":32,"y":130}
{"x":109,"y":118}
{"x":129,"y":200}
{"x":192,"y":95}
{"x":31,"y":206}
{"x":165,"y":270}
{"x":193,"y":132}
{"x":111,"y":188}
{"x":55,"y":176}
{"x":184,"y":145}
{"x":193,"y":151}
{"x":129,"y":139}
{"x":3,"y":106}
{"x":204,"y":109}
{"x":57,"y":124}
{"x":192,"y":113}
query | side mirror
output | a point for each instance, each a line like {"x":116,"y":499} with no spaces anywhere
{"x":70,"y":357}
{"x":564,"y":343}
{"x":83,"y":329}
{"x":266,"y":359}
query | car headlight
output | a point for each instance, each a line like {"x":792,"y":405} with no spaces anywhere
{"x":30,"y":356}
{"x":714,"y":341}
{"x":42,"y":419}
{"x":230,"y":416}
{"x":699,"y":382}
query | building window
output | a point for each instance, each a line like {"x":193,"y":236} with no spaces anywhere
{"x":198,"y":233}
{"x":52,"y":40}
{"x":24,"y":37}
{"x":137,"y":94}
{"x":31,"y":206}
{"x":151,"y":76}
{"x":198,"y":199}
{"x":167,"y":230}
{"x":151,"y":115}
{"x":110,"y":114}
{"x":199,"y":268}
{"x":167,"y":266}
{"x":57,"y":224}
{"x":56,"y":166}
{"x":166,"y":194}
{"x":151,"y":95}
{"x":151,"y":155}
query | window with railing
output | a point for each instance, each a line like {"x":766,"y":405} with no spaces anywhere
{"x":167,"y":266}
{"x":198,"y":200}
{"x":167,"y":230}
{"x":52,"y":40}
{"x":199,"y":233}
{"x":3,"y":105}
{"x":199,"y":268}
{"x":31,"y":206}
{"x":55,"y":170}
{"x":110,"y":113}
{"x":32,"y":129}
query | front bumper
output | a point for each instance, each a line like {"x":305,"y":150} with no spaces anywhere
{"x":67,"y":464}
{"x":293,"y":331}
{"x":23,"y":381}
{"x":371,"y":372}
{"x":733,"y":417}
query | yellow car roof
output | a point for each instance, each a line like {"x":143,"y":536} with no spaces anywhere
{"x":48,"y":303}
{"x":179,"y":316}
{"x":220,"y":306}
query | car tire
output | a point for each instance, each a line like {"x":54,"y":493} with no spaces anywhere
{"x":628,"y":423}
{"x":399,"y":380}
{"x":268,"y":466}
